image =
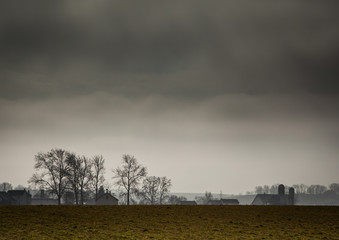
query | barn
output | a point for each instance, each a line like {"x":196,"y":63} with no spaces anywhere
{"x":275,"y":199}
{"x":106,"y":199}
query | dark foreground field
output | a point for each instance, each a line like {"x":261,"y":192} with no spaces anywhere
{"x":168,"y":222}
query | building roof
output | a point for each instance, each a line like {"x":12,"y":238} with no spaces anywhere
{"x":107,"y":194}
{"x":270,"y":199}
{"x":17,"y":192}
{"x":188,"y":203}
{"x":228,"y":201}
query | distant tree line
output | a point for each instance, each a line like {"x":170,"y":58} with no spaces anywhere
{"x":74,"y":179}
{"x":5,"y":186}
{"x":299,"y":189}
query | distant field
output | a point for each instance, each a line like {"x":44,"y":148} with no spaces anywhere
{"x":168,"y":222}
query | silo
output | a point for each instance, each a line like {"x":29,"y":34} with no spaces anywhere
{"x":281,"y":189}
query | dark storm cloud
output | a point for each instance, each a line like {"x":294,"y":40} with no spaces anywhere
{"x":183,"y":48}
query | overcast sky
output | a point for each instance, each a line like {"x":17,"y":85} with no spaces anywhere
{"x":215,"y":95}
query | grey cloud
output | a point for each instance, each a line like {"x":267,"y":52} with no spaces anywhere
{"x":213,"y":48}
{"x":171,"y":117}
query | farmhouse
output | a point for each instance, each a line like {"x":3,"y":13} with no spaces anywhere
{"x":106,"y":199}
{"x":15,"y":197}
{"x":275,"y":199}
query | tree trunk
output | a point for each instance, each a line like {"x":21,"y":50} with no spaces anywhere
{"x":128,"y":187}
{"x":96,"y":192}
{"x":59,"y":199}
{"x":81,"y":196}
{"x":127,"y":196}
{"x":76,"y":197}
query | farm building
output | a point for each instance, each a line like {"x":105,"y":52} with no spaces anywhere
{"x":15,"y":197}
{"x":275,"y":199}
{"x":106,"y":199}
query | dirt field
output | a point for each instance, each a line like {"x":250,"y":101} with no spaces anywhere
{"x":168,"y":222}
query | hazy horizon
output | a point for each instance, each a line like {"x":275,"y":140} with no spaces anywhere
{"x":217,"y":96}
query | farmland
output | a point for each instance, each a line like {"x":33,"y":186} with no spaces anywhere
{"x":168,"y":222}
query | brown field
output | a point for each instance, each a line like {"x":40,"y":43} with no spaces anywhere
{"x":168,"y":222}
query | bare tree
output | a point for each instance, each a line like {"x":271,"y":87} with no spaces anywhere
{"x":155,"y":189}
{"x":316,"y":189}
{"x":129,"y":176}
{"x":51,"y":172}
{"x":266,"y":189}
{"x":334,"y":187}
{"x":311,"y":189}
{"x":274,"y":188}
{"x":296,"y":188}
{"x":321,"y":189}
{"x":303,"y":188}
{"x":300,"y":188}
{"x":98,"y":172}
{"x":205,"y":199}
{"x":5,"y":186}
{"x":85,"y":176}
{"x":73,"y":174}
{"x":150,"y":189}
{"x":164,"y":188}
{"x":259,"y":190}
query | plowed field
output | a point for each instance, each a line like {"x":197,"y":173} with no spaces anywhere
{"x":168,"y":222}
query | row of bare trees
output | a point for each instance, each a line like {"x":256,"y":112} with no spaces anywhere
{"x":299,"y":189}
{"x":62,"y":172}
